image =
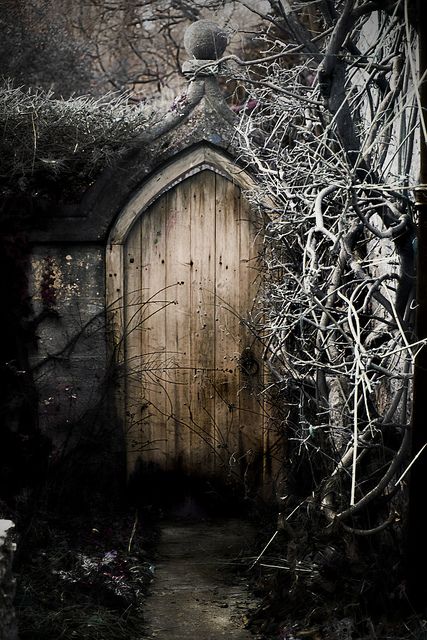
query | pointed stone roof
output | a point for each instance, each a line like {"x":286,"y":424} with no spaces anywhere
{"x":200,"y":116}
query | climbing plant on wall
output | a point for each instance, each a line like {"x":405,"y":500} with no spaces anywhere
{"x":331,"y":125}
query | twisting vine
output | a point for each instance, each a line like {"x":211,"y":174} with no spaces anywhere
{"x":335,"y":151}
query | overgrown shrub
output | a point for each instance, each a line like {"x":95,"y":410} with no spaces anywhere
{"x":45,"y":139}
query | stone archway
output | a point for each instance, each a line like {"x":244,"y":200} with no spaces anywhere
{"x":182,"y":278}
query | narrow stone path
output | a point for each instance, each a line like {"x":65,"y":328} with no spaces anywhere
{"x":195,"y":594}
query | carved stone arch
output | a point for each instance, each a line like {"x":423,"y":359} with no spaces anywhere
{"x":193,"y":161}
{"x":182,"y":279}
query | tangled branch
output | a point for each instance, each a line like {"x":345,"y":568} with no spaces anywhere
{"x":339,"y":249}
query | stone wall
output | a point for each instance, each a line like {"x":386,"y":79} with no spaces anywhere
{"x":69,"y":358}
{"x":8,"y":628}
{"x":70,"y":362}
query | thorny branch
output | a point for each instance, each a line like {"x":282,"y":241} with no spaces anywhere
{"x":339,"y":248}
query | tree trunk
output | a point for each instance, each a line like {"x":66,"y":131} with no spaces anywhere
{"x":416,"y":556}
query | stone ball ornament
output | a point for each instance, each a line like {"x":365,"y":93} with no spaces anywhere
{"x":205,"y":40}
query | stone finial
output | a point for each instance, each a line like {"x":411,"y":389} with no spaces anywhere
{"x":205,"y":40}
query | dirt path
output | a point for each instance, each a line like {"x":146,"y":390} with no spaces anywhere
{"x":195,"y":593}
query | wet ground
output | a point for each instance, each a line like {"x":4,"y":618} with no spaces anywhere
{"x":200,"y":589}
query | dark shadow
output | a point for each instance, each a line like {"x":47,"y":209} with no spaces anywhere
{"x":176,"y":494}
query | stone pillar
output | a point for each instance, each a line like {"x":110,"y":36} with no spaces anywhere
{"x":8,"y":628}
{"x":205,"y":43}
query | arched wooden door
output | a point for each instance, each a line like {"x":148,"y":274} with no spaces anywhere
{"x":193,"y":370}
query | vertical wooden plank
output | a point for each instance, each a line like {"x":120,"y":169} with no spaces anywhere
{"x":253,"y":435}
{"x":202,"y":318}
{"x":132,"y":342}
{"x":178,"y":326}
{"x":154,"y":298}
{"x":144,"y":335}
{"x":227,"y":339}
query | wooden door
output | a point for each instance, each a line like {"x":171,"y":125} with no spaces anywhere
{"x":194,"y":369}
